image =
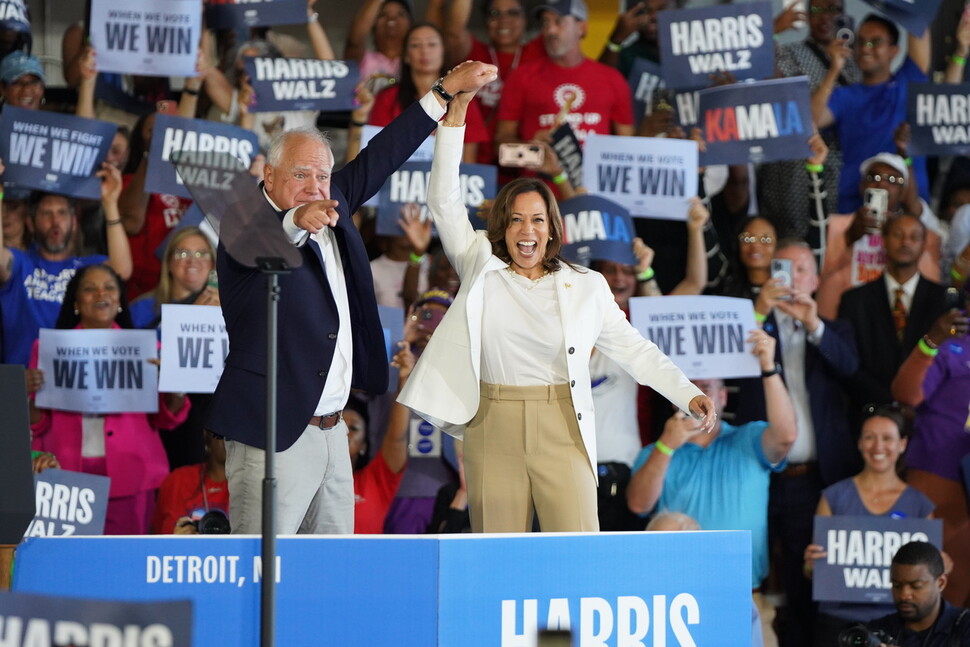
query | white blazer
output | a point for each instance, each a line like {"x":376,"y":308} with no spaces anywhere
{"x":444,"y":385}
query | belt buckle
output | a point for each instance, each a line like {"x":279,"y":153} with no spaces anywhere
{"x":336,"y":417}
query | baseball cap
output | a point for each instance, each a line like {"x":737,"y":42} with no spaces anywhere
{"x":17,"y":65}
{"x":575,"y":8}
{"x":889,"y":159}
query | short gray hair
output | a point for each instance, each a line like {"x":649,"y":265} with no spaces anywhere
{"x":275,"y":151}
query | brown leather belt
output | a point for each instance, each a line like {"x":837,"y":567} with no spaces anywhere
{"x":328,"y":421}
{"x":799,"y":469}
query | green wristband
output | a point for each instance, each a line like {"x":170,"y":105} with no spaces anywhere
{"x":926,"y":349}
{"x":958,"y":60}
{"x":645,"y":275}
{"x":417,"y":260}
{"x":663,"y":449}
{"x":814,"y":168}
{"x":760,"y":318}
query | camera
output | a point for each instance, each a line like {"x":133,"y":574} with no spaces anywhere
{"x":213,"y":522}
{"x":845,"y":28}
{"x":858,"y":635}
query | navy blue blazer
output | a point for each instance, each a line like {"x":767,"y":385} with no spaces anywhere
{"x":308,"y":320}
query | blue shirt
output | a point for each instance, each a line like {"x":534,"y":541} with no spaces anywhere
{"x":723,"y":486}
{"x":866,"y":116}
{"x":32,"y":298}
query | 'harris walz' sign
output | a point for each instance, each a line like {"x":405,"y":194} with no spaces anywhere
{"x":54,"y":152}
{"x":756,"y":122}
{"x":597,"y":229}
{"x":695,"y":43}
{"x":230,"y":14}
{"x":207,"y":153}
{"x":939,"y":118}
{"x":301,"y":83}
{"x":69,"y":503}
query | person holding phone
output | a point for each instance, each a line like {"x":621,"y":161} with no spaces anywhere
{"x":508,"y":367}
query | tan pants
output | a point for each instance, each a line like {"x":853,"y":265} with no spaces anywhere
{"x":524,"y":455}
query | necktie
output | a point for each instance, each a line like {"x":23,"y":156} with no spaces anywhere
{"x":899,"y":314}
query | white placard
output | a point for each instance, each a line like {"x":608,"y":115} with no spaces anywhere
{"x":705,"y":336}
{"x":146,"y":37}
{"x":98,"y":371}
{"x":194,"y":348}
{"x":653,"y":177}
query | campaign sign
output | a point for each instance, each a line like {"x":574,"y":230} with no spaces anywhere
{"x":13,"y":15}
{"x":424,"y":153}
{"x":392,"y":322}
{"x":860,"y":550}
{"x":652,"y":177}
{"x":644,"y":79}
{"x":570,"y":153}
{"x":146,"y":37}
{"x":939,"y":118}
{"x":704,"y":336}
{"x":596,"y":229}
{"x":912,"y":16}
{"x":868,"y":259}
{"x":69,"y":503}
{"x":301,"y":83}
{"x":687,"y":103}
{"x":765,"y":121}
{"x":54,"y":152}
{"x":695,"y":43}
{"x":410,"y":184}
{"x":208,"y":154}
{"x":233,"y":14}
{"x":194,"y":348}
{"x":45,"y":620}
{"x":98,"y":371}
{"x":597,"y":584}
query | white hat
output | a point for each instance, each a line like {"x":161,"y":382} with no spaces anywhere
{"x":889,"y":159}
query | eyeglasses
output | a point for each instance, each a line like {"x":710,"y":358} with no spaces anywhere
{"x":870,"y":44}
{"x":495,"y":14}
{"x":750,"y":239}
{"x":186,"y":254}
{"x":892,"y":179}
{"x":832,"y":9}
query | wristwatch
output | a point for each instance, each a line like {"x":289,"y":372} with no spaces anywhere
{"x":439,"y":89}
{"x":775,"y":371}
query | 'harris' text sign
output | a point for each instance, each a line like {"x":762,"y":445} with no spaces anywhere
{"x":54,"y":152}
{"x":194,"y":348}
{"x":208,"y":154}
{"x":69,"y":503}
{"x":652,"y":177}
{"x":596,"y":229}
{"x":223,"y":14}
{"x":146,"y":37}
{"x":736,"y":38}
{"x":301,"y":83}
{"x":704,"y":336}
{"x":13,"y":15}
{"x":939,"y":119}
{"x":98,"y":371}
{"x":860,"y":550}
{"x":765,"y":121}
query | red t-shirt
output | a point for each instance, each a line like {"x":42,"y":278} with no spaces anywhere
{"x":591,"y":96}
{"x":181,"y":496}
{"x":386,"y":108}
{"x":488,"y":97}
{"x":375,"y":487}
{"x":162,"y":215}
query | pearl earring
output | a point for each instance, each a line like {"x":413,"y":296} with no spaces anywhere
{"x":76,"y":311}
{"x":120,"y":308}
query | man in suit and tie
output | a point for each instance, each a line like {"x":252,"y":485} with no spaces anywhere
{"x":330,"y":336}
{"x":891,"y":313}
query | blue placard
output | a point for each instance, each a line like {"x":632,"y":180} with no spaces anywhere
{"x":410,"y":184}
{"x":756,"y":122}
{"x":450,"y":590}
{"x":913,"y":16}
{"x":69,"y":503}
{"x":392,"y":321}
{"x":13,"y":15}
{"x":735,"y":38}
{"x":597,"y":229}
{"x":860,"y":551}
{"x":939,"y":118}
{"x":202,"y":148}
{"x":644,"y":79}
{"x":43,"y":620}
{"x":301,"y":83}
{"x":54,"y":152}
{"x":220,"y":14}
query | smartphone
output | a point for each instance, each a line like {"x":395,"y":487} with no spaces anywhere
{"x":781,"y":269}
{"x":521,"y":155}
{"x":213,"y":280}
{"x":877,"y":200}
{"x":166,"y":107}
{"x":845,"y":29}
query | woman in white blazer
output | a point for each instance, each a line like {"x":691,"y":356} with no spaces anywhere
{"x":508,"y":367}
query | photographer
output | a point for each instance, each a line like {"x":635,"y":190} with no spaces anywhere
{"x":192,"y":492}
{"x":923,"y":618}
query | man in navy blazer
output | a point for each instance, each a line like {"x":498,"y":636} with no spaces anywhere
{"x":330,"y":336}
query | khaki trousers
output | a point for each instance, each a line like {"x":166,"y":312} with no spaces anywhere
{"x":524,"y":455}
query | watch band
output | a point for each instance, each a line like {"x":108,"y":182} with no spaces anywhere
{"x":439,"y":89}
{"x":775,"y":371}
